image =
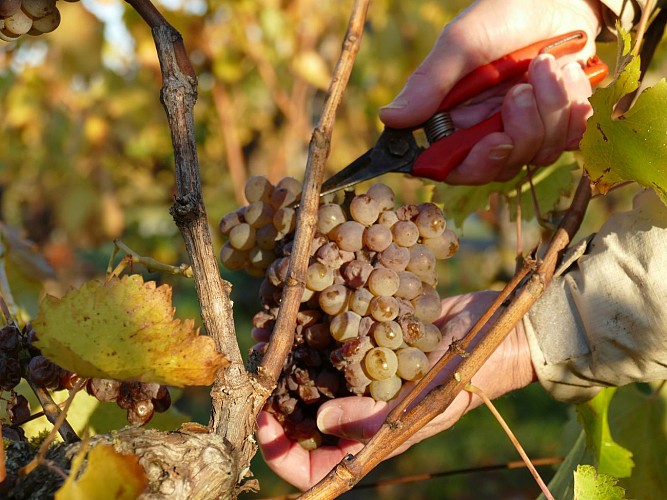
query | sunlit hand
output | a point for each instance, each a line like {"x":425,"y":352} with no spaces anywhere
{"x":356,"y":419}
{"x":542,"y":117}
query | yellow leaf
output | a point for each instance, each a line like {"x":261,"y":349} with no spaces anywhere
{"x":108,"y":475}
{"x":124,"y":329}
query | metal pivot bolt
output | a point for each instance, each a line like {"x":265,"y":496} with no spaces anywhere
{"x":438,"y":126}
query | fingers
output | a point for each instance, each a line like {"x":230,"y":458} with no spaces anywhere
{"x":580,"y":108}
{"x":541,"y":118}
{"x":292,"y":462}
{"x":461,"y":46}
{"x":352,"y":418}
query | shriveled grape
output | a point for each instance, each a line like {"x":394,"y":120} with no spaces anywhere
{"x":394,"y":257}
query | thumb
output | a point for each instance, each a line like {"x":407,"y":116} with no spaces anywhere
{"x":357,"y":418}
{"x":427,"y":86}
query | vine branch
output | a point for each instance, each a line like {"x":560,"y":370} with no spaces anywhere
{"x":283,"y":336}
{"x":235,"y":400}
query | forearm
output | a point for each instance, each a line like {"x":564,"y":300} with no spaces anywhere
{"x":604,"y":322}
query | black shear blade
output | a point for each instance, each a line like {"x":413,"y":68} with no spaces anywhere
{"x":395,"y":151}
{"x":356,"y":172}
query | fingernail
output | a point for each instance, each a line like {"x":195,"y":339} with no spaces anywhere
{"x":398,"y":103}
{"x":329,"y":419}
{"x":501,"y":152}
{"x":523,"y":95}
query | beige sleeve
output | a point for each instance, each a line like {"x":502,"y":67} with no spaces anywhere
{"x":604,"y":322}
{"x":627,"y":12}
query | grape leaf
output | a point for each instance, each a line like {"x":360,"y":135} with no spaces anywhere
{"x":124,"y":329}
{"x":639,"y":421}
{"x":591,"y":485}
{"x":108,"y":475}
{"x":611,"y":458}
{"x":631,"y":146}
{"x":551,"y":184}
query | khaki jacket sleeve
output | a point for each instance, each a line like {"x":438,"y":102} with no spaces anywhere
{"x":604,"y":322}
{"x":627,"y":12}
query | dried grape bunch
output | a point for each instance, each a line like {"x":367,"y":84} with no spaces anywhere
{"x":28,"y":17}
{"x":141,"y":400}
{"x":366,"y":319}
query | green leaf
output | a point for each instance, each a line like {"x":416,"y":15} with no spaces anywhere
{"x":551,"y":185}
{"x":639,"y":421}
{"x":592,"y":485}
{"x":611,"y":458}
{"x":631,"y":146}
{"x":125,"y":329}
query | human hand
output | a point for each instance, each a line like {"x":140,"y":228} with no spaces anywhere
{"x":542,"y":117}
{"x":356,"y":419}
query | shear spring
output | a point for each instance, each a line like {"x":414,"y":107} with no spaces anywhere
{"x":438,"y":126}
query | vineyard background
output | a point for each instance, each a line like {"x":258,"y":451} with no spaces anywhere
{"x":86,"y":158}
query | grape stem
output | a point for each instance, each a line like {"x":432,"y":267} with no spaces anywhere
{"x":149,"y":263}
{"x":522,"y":453}
{"x":57,"y":418}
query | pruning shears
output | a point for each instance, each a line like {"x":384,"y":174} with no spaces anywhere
{"x":396,"y":150}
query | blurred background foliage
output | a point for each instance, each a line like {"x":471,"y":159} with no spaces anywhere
{"x":85,"y":157}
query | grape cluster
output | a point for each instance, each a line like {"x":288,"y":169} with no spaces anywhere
{"x":32,"y":17}
{"x":366,"y":320}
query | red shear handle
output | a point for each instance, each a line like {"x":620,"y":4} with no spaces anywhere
{"x":437,"y":161}
{"x":510,"y":66}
